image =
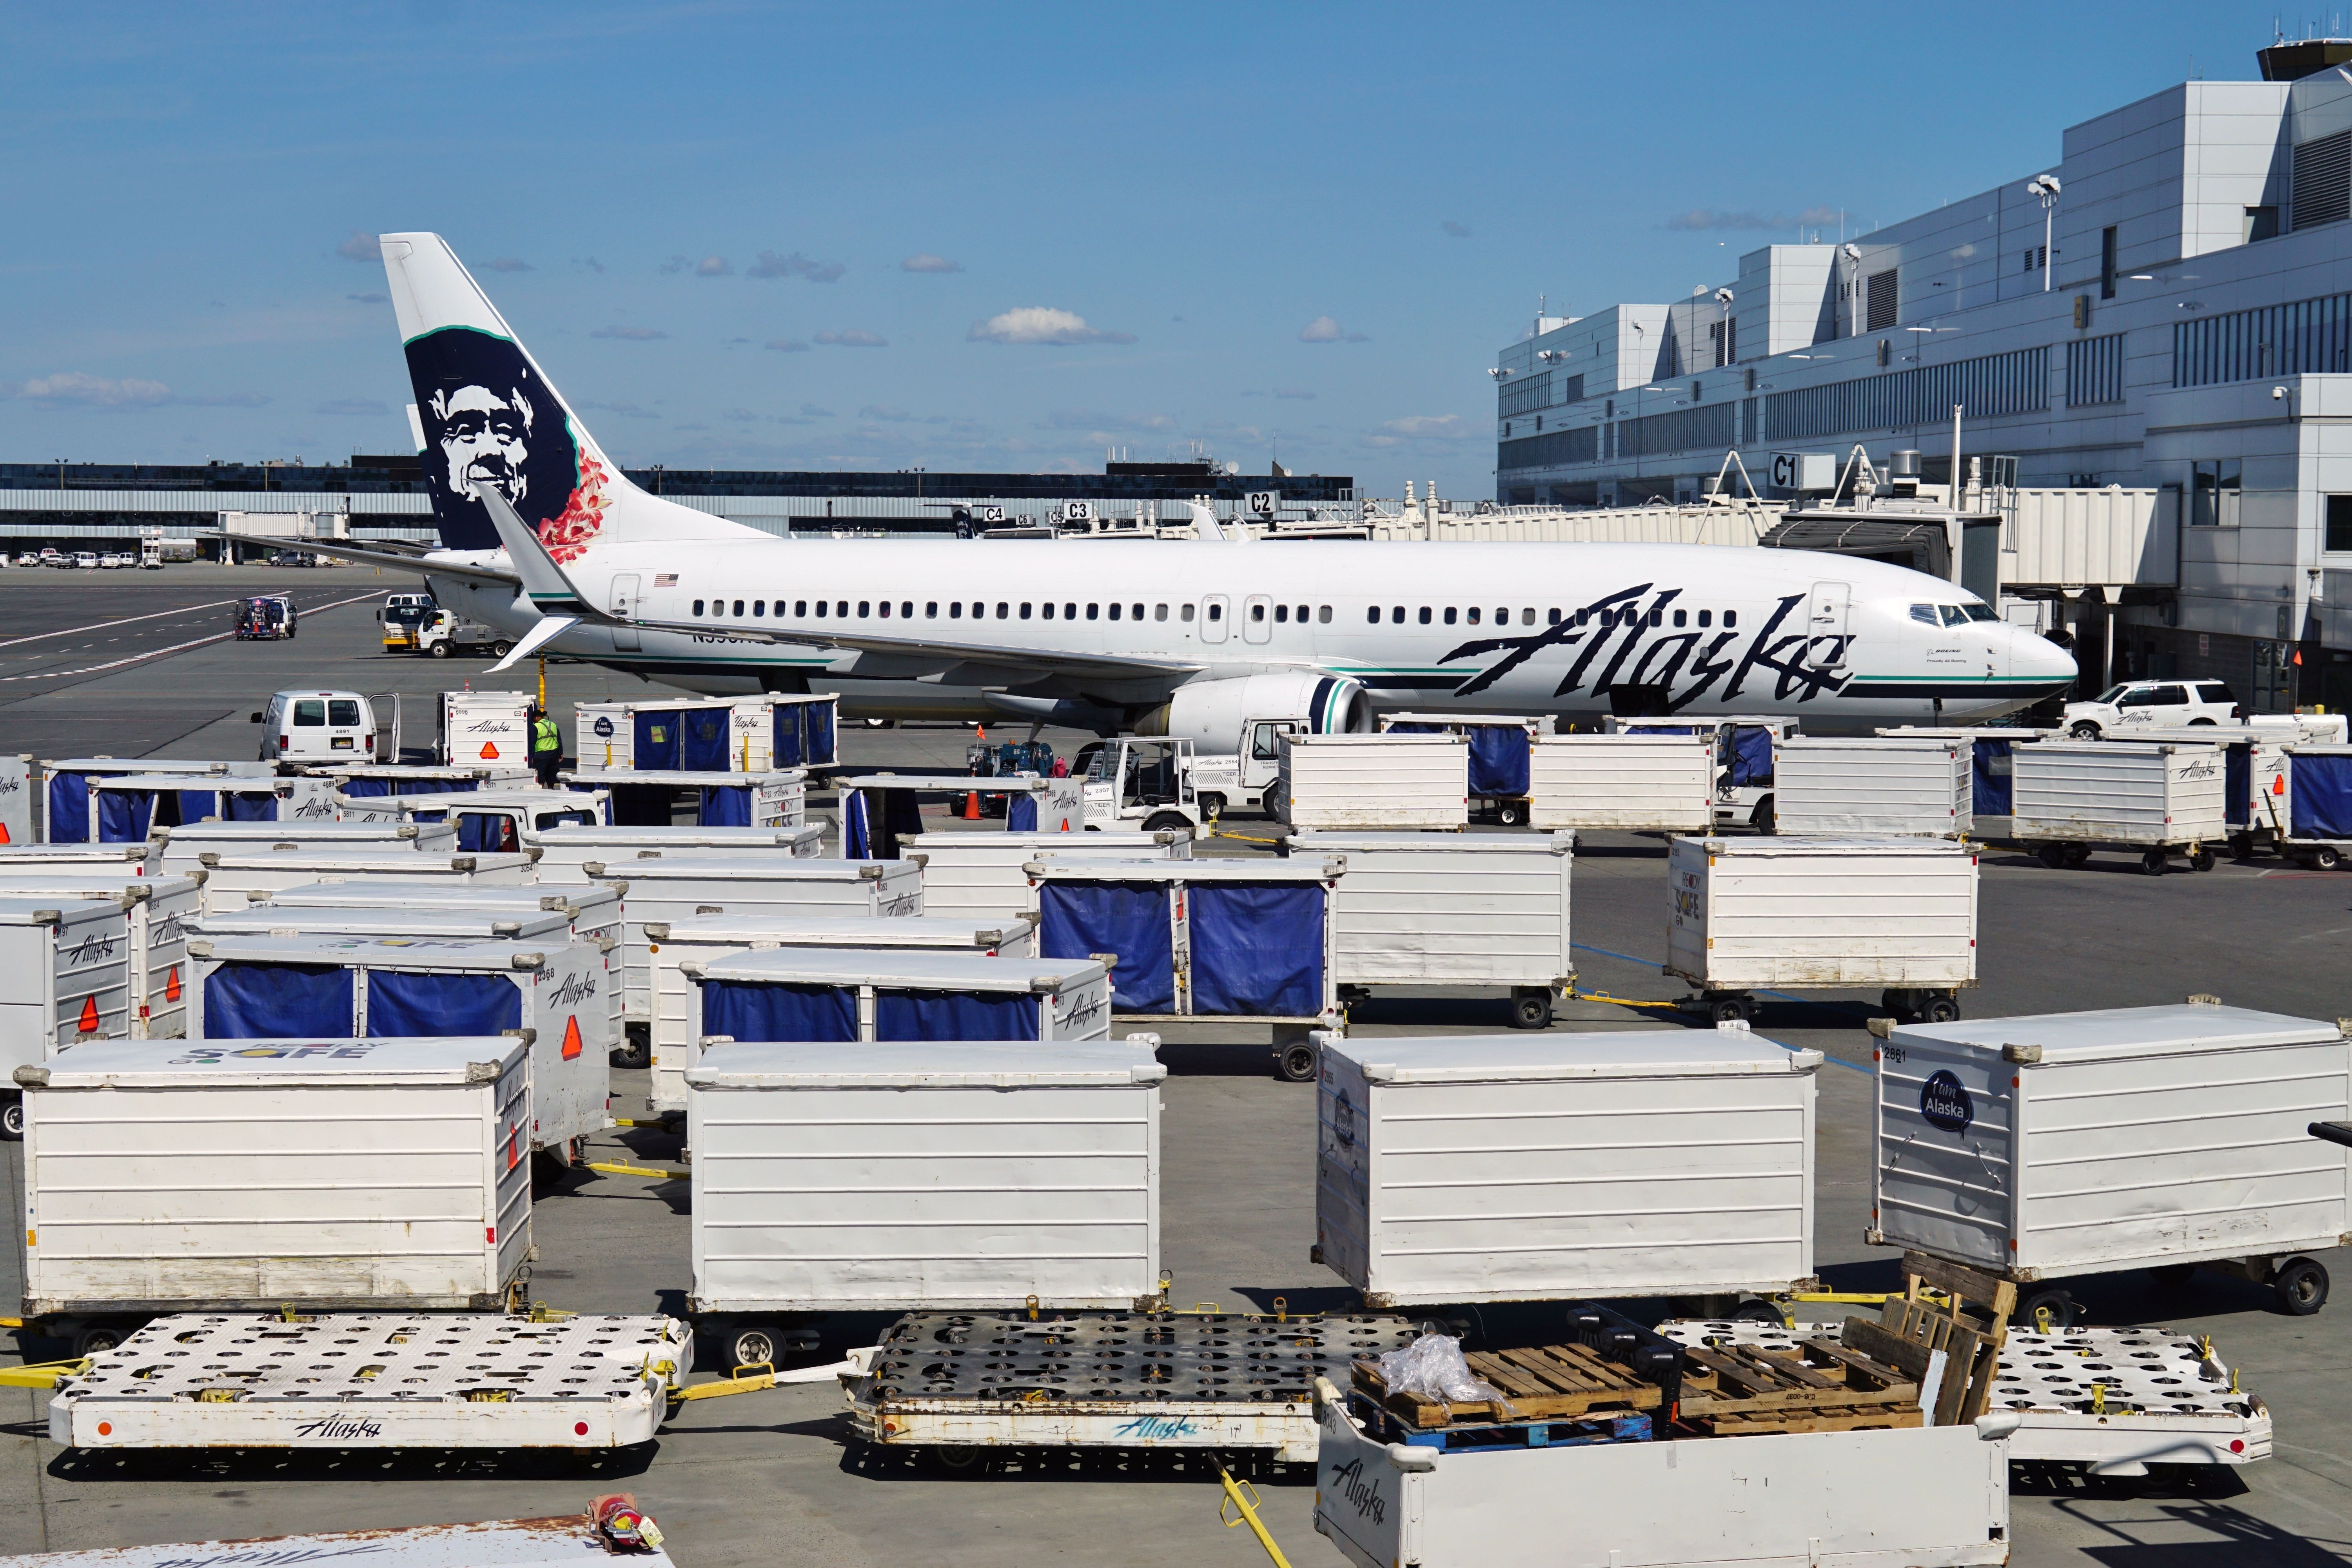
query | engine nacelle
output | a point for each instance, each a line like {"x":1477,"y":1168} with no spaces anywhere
{"x":1211,"y":714}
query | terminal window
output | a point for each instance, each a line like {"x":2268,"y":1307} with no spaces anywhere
{"x":1882,"y":293}
{"x":2214,"y":491}
{"x":2339,"y":522}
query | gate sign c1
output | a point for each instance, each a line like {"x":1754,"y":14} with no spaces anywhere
{"x":1944,"y":1102}
{"x":1262,"y":503}
{"x":1804,"y":471}
{"x":603,"y":726}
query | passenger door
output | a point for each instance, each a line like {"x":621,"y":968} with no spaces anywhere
{"x":1257,"y":619}
{"x":1825,"y":630}
{"x":1214,"y":612}
{"x":624,"y":604}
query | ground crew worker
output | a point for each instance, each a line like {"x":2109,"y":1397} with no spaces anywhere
{"x":546,"y":746}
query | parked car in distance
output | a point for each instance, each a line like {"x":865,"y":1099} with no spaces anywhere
{"x":85,"y":560}
{"x":2135,"y":703}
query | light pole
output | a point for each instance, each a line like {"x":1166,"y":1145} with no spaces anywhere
{"x":1853,"y":288}
{"x":2046,"y":187}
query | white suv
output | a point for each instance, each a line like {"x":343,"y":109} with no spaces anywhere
{"x":2143,"y":703}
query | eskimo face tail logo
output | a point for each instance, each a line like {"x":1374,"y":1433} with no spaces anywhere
{"x":490,"y":420}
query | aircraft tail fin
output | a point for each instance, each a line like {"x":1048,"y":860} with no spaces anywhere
{"x":487,"y":417}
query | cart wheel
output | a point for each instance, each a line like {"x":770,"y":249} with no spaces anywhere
{"x":2326,"y":858}
{"x":635,"y":1050}
{"x":2301,"y":1287}
{"x":2200,"y":858}
{"x":2059,"y":1306}
{"x":1731,"y":1009}
{"x":12,"y":1121}
{"x":2242,"y":846}
{"x":958,"y":1458}
{"x":1941,"y":1010}
{"x":1531,"y":1008}
{"x":2172,"y":1275}
{"x":2051,"y":854}
{"x":2078,"y":855}
{"x":754,"y":1344}
{"x":1298,"y":1062}
{"x":1763,"y":819}
{"x":2154,"y":863}
{"x":1512,"y":813}
{"x":1758,"y":1312}
{"x":99,"y":1337}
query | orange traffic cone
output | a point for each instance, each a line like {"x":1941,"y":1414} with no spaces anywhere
{"x":972,"y":805}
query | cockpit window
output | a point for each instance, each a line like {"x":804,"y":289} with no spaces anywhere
{"x":1954,"y":615}
{"x":1981,"y":612}
{"x":1924,"y":612}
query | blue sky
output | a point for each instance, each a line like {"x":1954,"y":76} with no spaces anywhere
{"x":993,"y":238}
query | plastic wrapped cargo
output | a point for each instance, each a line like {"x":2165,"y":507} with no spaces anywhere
{"x":162,"y":910}
{"x":184,"y":847}
{"x":1344,"y":782}
{"x":332,"y":1173}
{"x":946,"y":1173}
{"x":1622,"y":1163}
{"x":373,"y":987}
{"x":65,"y":978}
{"x":1641,"y":784}
{"x":979,"y":876}
{"x":1458,"y":909}
{"x":700,"y":939}
{"x":2067,"y":1143}
{"x":1844,"y":787}
{"x":565,"y":850}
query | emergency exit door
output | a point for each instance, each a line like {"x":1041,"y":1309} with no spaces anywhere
{"x":624,"y":604}
{"x":1826,"y":634}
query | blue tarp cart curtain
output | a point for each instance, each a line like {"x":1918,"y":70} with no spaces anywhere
{"x":818,"y":730}
{"x":123,"y":815}
{"x":641,"y":805}
{"x":247,"y":806}
{"x":277,"y":1002}
{"x":856,"y":827}
{"x":366,"y":789}
{"x":193,"y":805}
{"x":487,"y":833}
{"x":725,"y":806}
{"x":1988,"y":778}
{"x":1129,"y":920}
{"x":703,"y":734}
{"x":2321,"y":793}
{"x":784,"y":744}
{"x":1257,"y":949}
{"x":405,"y":1005}
{"x":1020,"y":813}
{"x":744,"y":1011}
{"x":2238,"y":783}
{"x":1751,"y":756}
{"x":1499,"y":762}
{"x":68,"y":808}
{"x":436,"y":786}
{"x":954,"y":1015}
{"x":654,"y":740}
{"x":1414,"y":727}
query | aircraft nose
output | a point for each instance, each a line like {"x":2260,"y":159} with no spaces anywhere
{"x":2037,"y":658}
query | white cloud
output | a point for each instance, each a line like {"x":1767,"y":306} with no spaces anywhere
{"x":1041,"y":324}
{"x":511,"y":264}
{"x":927,"y":262}
{"x":854,"y":338}
{"x":1419,"y":427}
{"x":1324,"y":330}
{"x":709,"y":266}
{"x":73,"y":388}
{"x":814,"y":412}
{"x":771,"y":265}
{"x":884,"y":412}
{"x":787,"y":345}
{"x":364,"y":405}
{"x":360,"y":246}
{"x":631,"y":335}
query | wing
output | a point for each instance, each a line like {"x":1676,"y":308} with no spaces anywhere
{"x":388,"y":553}
{"x":556,"y":593}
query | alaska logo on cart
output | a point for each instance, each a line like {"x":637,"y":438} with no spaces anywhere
{"x":166,"y":932}
{"x":1082,"y":1016}
{"x":575,"y":990}
{"x":1945,"y":1103}
{"x":1157,"y":1428}
{"x":1348,"y":1478}
{"x":1343,"y":1119}
{"x":339,"y":1428}
{"x":90,"y":950}
{"x":215,"y":1056}
{"x":320,"y":809}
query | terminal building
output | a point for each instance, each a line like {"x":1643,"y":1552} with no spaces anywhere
{"x":2166,"y":309}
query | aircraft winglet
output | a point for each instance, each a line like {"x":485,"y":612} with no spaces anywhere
{"x":543,"y":581}
{"x":545,"y":630}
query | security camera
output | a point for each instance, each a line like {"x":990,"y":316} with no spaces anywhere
{"x":1497,"y":372}
{"x":2278,"y":392}
{"x":1853,"y":253}
{"x":1723,"y":296}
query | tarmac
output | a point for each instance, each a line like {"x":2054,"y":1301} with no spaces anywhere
{"x":773,"y":1477}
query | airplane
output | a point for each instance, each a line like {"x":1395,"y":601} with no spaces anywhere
{"x":544,"y":537}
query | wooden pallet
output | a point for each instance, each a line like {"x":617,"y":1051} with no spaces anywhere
{"x":1968,"y":1329}
{"x":1819,"y":1387}
{"x":1536,"y":1384}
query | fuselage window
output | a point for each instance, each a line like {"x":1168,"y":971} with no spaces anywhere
{"x":1552,"y":617}
{"x":907,"y":608}
{"x":1158,"y":612}
{"x":1682,"y":618}
{"x":1474,"y":615}
{"x":1449,"y":614}
{"x":760,"y":608}
{"x":1424,"y":615}
{"x":1094,"y":612}
{"x":1580,"y":616}
{"x":1004,"y":610}
{"x":698,"y":606}
{"x":885,"y":609}
{"x":930,"y":609}
{"x":739,"y":606}
{"x":1372,"y":615}
{"x":1024,"y":609}
{"x":1114,"y":612}
{"x":1183,"y":612}
{"x":1216,"y":612}
{"x":1049,"y":610}
{"x":1925,"y":612}
{"x":955,"y":610}
{"x":1281,"y":613}
{"x":1658,"y":617}
{"x":1954,"y":615}
{"x":1258,"y":612}
{"x":1322,"y":614}
{"x":1136,"y":612}
{"x":1302,"y":615}
{"x":1730,"y":618}
{"x":841,"y":607}
{"x":799,"y":606}
{"x":1528,"y":615}
{"x":1396,"y":616}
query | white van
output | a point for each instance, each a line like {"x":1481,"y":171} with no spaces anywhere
{"x":330,"y":727}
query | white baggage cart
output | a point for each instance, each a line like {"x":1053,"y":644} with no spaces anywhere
{"x":699,"y":939}
{"x":224,"y":1175}
{"x":658,"y":886}
{"x":184,"y":847}
{"x":2158,"y":798}
{"x":19,"y":778}
{"x":720,"y":799}
{"x":1991,"y":768}
{"x":978,"y":875}
{"x":1898,"y":914}
{"x":921,"y":1175}
{"x":161,"y":910}
{"x":1501,"y":744}
{"x":1889,"y":1499}
{"x":65,"y":979}
{"x":1626,"y":784}
{"x":746,"y":734}
{"x":524,"y":810}
{"x":2049,"y":1147}
{"x":1663,"y":1162}
{"x":1744,"y":744}
{"x":477,"y":727}
{"x":356,"y":783}
{"x":1483,"y":910}
{"x":65,"y":786}
{"x":882,"y":812}
{"x":127,"y":807}
{"x":439,"y":924}
{"x":367,"y":987}
{"x":234,"y":881}
{"x":1880,"y":786}
{"x":566,"y":848}
{"x":493,"y":1544}
{"x":1241,"y":941}
{"x":1345,"y":783}
{"x":138,"y":859}
{"x":847,"y":995}
{"x":2318,"y":818}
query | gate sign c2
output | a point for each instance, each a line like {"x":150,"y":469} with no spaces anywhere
{"x":1944,"y":1102}
{"x":604,"y":727}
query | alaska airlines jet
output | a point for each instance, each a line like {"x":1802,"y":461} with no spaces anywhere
{"x":547,"y":539}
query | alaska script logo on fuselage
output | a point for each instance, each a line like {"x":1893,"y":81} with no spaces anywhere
{"x":1616,"y":643}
